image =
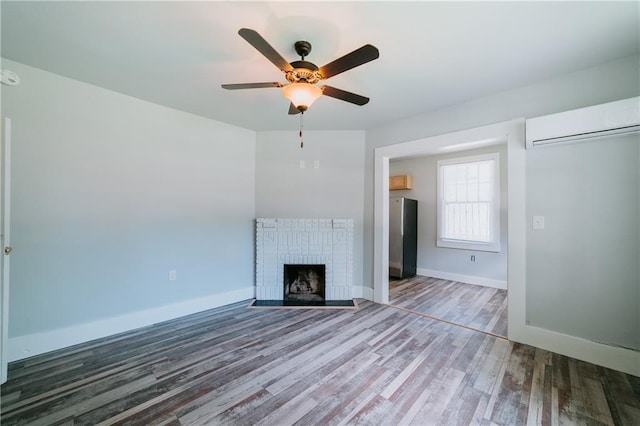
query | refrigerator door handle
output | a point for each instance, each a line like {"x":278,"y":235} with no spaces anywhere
{"x":402,"y":217}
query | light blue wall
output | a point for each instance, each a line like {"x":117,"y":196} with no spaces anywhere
{"x":110,"y":193}
{"x":582,"y":269}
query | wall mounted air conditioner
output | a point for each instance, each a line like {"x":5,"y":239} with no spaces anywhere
{"x":613,"y":118}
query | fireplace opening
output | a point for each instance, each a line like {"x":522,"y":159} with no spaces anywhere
{"x":304,"y":284}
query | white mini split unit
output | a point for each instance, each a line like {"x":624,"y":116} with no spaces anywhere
{"x":613,"y":118}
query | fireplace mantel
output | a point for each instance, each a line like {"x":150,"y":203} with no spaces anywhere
{"x":281,"y":241}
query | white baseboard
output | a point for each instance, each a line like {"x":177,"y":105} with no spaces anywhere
{"x":616,"y":358}
{"x":468,"y":279}
{"x":35,"y":344}
{"x":363,"y":292}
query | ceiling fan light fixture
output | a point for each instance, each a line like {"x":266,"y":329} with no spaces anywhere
{"x":302,"y":95}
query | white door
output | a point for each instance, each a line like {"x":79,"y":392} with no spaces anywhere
{"x":5,"y":186}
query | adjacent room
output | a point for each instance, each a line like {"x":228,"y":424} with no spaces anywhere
{"x":227,"y":212}
{"x":465,"y":283}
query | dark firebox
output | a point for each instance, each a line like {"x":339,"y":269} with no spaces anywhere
{"x":304,"y":283}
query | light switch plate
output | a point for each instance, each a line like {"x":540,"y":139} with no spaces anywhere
{"x":538,"y":222}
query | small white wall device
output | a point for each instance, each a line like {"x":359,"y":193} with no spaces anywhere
{"x":613,"y":118}
{"x":9,"y":78}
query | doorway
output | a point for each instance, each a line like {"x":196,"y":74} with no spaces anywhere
{"x":458,"y":273}
{"x":511,"y":133}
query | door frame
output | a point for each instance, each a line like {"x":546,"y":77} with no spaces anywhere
{"x":509,"y":132}
{"x":5,"y":236}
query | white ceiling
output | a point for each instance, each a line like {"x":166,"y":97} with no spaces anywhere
{"x":432,"y":54}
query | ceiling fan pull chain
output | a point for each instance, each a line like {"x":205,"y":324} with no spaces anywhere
{"x":301,"y":127}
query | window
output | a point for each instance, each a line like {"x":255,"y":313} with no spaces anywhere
{"x":469,"y":203}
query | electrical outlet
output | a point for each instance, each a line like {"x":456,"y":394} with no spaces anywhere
{"x":316,"y":164}
{"x":302,"y":164}
{"x":9,"y":78}
{"x":538,"y":222}
{"x":172,"y":275}
{"x":473,"y":257}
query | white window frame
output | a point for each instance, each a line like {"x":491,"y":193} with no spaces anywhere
{"x":494,"y":211}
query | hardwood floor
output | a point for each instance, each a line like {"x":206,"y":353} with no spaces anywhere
{"x":377,"y":365}
{"x":482,"y":308}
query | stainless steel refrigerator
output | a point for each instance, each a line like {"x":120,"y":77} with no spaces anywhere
{"x":403,"y":237}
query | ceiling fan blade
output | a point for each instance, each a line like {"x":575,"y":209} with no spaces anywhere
{"x":356,"y":58}
{"x":262,"y":46}
{"x":343,"y":95}
{"x":251,"y":85}
{"x":293,"y":110}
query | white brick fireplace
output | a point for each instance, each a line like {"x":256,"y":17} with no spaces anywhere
{"x":326,"y":242}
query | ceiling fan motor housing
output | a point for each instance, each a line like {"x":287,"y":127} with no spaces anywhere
{"x":303,"y":70}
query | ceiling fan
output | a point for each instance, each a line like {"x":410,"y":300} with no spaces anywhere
{"x":303,"y":75}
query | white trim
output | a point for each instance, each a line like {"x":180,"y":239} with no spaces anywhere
{"x":479,"y":137}
{"x":35,"y":344}
{"x":467,"y":279}
{"x":5,"y":238}
{"x":381,"y":226}
{"x":363,"y":292}
{"x":616,"y":358}
{"x":494,"y":244}
{"x":517,"y":233}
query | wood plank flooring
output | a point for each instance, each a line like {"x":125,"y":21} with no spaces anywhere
{"x":377,"y":365}
{"x":482,"y":308}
